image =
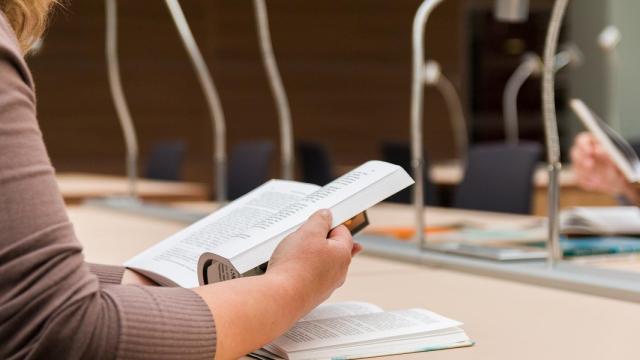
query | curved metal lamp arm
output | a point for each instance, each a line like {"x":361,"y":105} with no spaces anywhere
{"x":570,"y":56}
{"x":117,"y":92}
{"x":417,"y":107}
{"x":454,"y":107}
{"x":211,"y":95}
{"x":531,"y":65}
{"x":277,"y":89}
{"x":551,"y":128}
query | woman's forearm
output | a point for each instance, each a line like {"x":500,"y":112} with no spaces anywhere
{"x":251,"y":312}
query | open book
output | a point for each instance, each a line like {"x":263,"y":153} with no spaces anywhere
{"x":602,"y":220}
{"x":618,"y":149}
{"x":355,"y":329}
{"x":239,"y":239}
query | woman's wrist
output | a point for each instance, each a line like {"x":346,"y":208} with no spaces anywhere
{"x":297,"y":292}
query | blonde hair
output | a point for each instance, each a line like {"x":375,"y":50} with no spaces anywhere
{"x":28,"y":18}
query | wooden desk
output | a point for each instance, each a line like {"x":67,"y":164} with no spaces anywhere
{"x":77,"y":187}
{"x":507,"y":320}
{"x":450,"y":174}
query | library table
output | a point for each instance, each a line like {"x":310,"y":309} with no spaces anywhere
{"x":507,"y":319}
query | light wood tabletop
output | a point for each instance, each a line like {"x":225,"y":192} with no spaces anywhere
{"x":508,"y":320}
{"x":77,"y":187}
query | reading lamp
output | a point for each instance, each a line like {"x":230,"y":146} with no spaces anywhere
{"x":211,"y":95}
{"x":132,"y":202}
{"x":119,"y":100}
{"x":530,"y":66}
{"x":550,"y":121}
{"x":277,"y":89}
{"x":433,"y":76}
{"x":504,"y":10}
{"x":512,"y":11}
{"x":417,"y":109}
{"x":551,"y":130}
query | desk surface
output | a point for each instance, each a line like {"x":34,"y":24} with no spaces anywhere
{"x":507,"y":320}
{"x":77,"y":187}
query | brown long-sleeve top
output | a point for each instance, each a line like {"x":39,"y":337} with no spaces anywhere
{"x":53,"y":304}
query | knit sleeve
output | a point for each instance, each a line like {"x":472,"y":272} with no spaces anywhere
{"x":51,"y":304}
{"x":107,"y":274}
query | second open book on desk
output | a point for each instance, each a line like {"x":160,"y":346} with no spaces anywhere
{"x":238,"y":238}
{"x":351,"y":330}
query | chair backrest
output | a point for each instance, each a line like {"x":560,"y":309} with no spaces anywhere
{"x":165,"y":161}
{"x":249,"y":164}
{"x":315,"y":163}
{"x":499,"y":177}
{"x":400,"y":154}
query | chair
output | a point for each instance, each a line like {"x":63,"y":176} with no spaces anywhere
{"x":249,"y":164}
{"x":315,"y":163}
{"x":400,"y":154}
{"x":499,"y":177}
{"x":165,"y":161}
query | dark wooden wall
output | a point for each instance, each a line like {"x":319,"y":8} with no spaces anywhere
{"x":346,"y":66}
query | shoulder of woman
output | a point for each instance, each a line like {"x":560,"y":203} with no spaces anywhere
{"x":10,"y":50}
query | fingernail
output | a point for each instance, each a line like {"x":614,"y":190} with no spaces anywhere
{"x":325,"y":213}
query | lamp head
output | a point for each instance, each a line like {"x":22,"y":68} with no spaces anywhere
{"x":609,"y":38}
{"x":568,"y":56}
{"x":576,"y":56}
{"x":534,"y":62}
{"x":432,"y":72}
{"x":511,"y":11}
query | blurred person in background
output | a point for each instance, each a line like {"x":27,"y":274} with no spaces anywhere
{"x":595,"y":171}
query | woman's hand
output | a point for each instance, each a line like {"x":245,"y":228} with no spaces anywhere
{"x":304,"y":270}
{"x":595,"y":171}
{"x":314,"y":259}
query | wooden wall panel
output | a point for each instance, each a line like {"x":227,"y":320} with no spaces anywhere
{"x":346,"y":66}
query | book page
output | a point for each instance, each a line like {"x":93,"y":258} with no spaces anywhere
{"x":176,"y":257}
{"x":326,"y":311}
{"x":346,"y":197}
{"x":601,"y":220}
{"x":613,"y":143}
{"x":314,"y":334}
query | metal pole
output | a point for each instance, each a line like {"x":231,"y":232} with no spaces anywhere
{"x":454,"y":105}
{"x":211,"y":95}
{"x":117,"y":93}
{"x":551,"y":129}
{"x":417,"y":107}
{"x":277,"y":89}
